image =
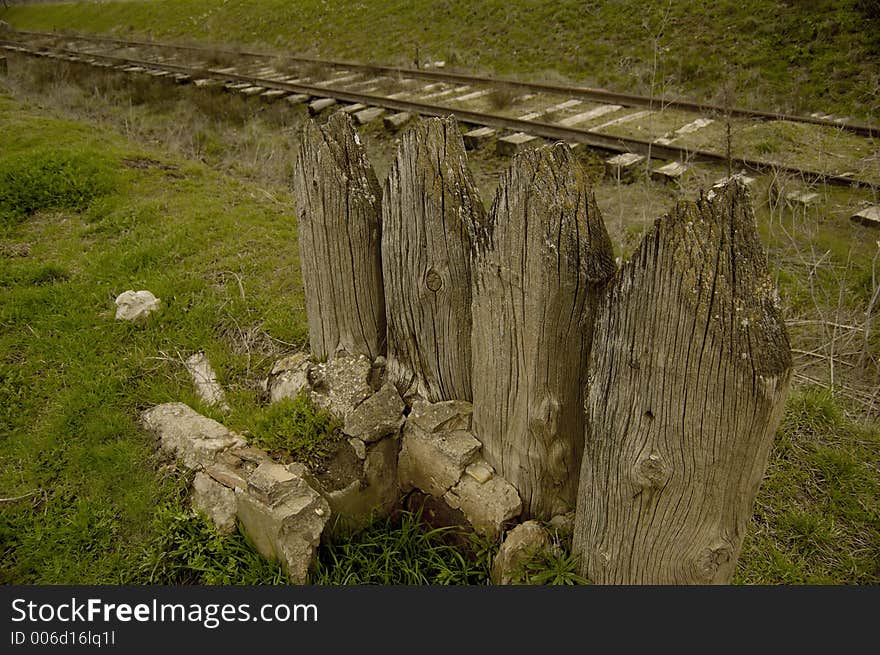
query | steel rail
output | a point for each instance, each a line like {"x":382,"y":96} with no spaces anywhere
{"x":587,"y":93}
{"x":537,"y":128}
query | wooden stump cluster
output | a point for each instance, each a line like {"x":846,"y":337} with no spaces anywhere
{"x":645,"y":398}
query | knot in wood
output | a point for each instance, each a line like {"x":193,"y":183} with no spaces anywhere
{"x":433,"y":280}
{"x":713,"y":558}
{"x":651,"y":472}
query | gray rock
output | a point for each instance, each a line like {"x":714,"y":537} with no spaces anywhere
{"x":442,"y":416}
{"x":434,"y":462}
{"x":226,"y":475}
{"x":284,"y":517}
{"x":195,"y":440}
{"x":341,"y":384}
{"x":480,"y":470}
{"x":136,"y":305}
{"x":378,"y":416}
{"x":521,"y":545}
{"x":488,"y":506}
{"x":215,"y":500}
{"x":289,"y":377}
{"x":205,"y":380}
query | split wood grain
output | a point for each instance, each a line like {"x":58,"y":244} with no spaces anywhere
{"x":339,"y":209}
{"x":688,"y":378}
{"x":538,"y":272}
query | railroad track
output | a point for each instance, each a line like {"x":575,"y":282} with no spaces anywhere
{"x":681,"y":133}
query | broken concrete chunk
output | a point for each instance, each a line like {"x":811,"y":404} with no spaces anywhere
{"x":434,"y":462}
{"x":521,"y":545}
{"x":376,"y":495}
{"x":442,"y":416}
{"x":289,"y":377}
{"x":136,"y":305}
{"x":227,"y":476}
{"x":272,"y":483}
{"x":480,"y":471}
{"x":250,"y":454}
{"x":215,"y":500}
{"x":341,"y":384}
{"x":359,"y":447}
{"x":486,"y":506}
{"x":376,"y":417}
{"x":289,"y":529}
{"x":193,"y":439}
{"x":869,"y":216}
{"x":207,"y":387}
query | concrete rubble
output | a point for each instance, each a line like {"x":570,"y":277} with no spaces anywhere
{"x":205,"y":380}
{"x":284,"y":509}
{"x":136,"y":305}
{"x":289,"y":377}
{"x":520,"y":545}
{"x":441,"y":457}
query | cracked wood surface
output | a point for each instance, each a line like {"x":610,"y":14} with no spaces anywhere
{"x":339,"y":232}
{"x":538,"y":271}
{"x":429,"y":213}
{"x":686,"y":388}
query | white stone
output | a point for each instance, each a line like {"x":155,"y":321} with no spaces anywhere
{"x":480,"y":471}
{"x":869,"y":216}
{"x":434,"y":462}
{"x":283,"y":517}
{"x":341,"y":384}
{"x":193,"y":439}
{"x":136,"y":305}
{"x":487,"y":507}
{"x":289,"y":377}
{"x":442,"y":416}
{"x":520,"y":545}
{"x":207,"y":387}
{"x":215,"y":500}
{"x":376,"y":417}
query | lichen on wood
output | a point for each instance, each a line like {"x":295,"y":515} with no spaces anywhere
{"x":538,"y":270}
{"x":430,"y":212}
{"x":339,"y":207}
{"x":686,"y":388}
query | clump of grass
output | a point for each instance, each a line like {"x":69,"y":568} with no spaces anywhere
{"x":550,"y":566}
{"x":51,"y":179}
{"x":502,"y":97}
{"x":403,"y":550}
{"x":188,"y":550}
{"x":817,"y":515}
{"x":218,"y":59}
{"x":296,"y":430}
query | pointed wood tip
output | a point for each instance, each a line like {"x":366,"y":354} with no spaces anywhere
{"x":716,"y":253}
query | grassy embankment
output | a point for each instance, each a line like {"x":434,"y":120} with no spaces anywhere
{"x":72,"y":380}
{"x":821,"y":55}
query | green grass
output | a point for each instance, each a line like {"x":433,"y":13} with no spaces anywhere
{"x":221,"y":254}
{"x":73,"y":380}
{"x":817,"y":518}
{"x":296,"y":430}
{"x":51,"y":179}
{"x":404,"y":551}
{"x":816,"y":55}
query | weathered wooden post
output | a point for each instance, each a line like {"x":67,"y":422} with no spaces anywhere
{"x":687,"y":383}
{"x":537,"y":277}
{"x":339,"y":205}
{"x":429,"y":214}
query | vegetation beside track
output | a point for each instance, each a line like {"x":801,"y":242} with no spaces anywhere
{"x":820,"y":55}
{"x":220,"y":250}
